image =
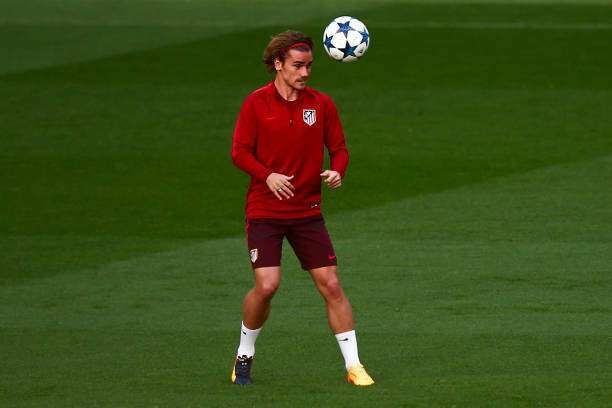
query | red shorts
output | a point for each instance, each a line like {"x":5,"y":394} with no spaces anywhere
{"x":308,"y":237}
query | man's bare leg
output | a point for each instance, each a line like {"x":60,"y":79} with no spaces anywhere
{"x":339,"y":311}
{"x":340,"y":318}
{"x":256,"y":306}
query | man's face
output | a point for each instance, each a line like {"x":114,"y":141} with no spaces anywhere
{"x":295,"y":70}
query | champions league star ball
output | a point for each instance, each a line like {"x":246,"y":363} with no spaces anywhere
{"x":346,"y":39}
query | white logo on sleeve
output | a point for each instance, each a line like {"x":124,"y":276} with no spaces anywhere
{"x":309,"y":116}
{"x":253,"y":255}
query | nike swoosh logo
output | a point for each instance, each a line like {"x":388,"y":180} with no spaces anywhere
{"x":345,"y":339}
{"x":331,"y":257}
{"x":243,"y":332}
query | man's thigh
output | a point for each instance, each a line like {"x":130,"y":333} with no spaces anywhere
{"x":312,"y":244}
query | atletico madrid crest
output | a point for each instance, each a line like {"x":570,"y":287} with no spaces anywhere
{"x":254,"y":254}
{"x":310,"y":116}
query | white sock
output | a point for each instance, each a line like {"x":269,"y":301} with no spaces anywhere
{"x":348,"y":346}
{"x":247,"y":341}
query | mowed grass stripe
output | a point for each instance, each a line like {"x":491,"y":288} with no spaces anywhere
{"x":40,"y":34}
{"x":459,"y":297}
{"x":563,"y":206}
{"x":209,"y":28}
{"x":492,"y":25}
{"x":139,"y":144}
{"x":436,"y":369}
{"x":449,"y":138}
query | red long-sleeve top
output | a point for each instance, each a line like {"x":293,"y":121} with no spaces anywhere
{"x":273,"y":135}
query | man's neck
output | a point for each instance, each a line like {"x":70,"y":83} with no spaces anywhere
{"x":285,"y":91}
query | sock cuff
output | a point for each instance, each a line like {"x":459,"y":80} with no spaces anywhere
{"x":250,"y":331}
{"x":346,"y":335}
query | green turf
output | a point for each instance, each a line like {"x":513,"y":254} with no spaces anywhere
{"x":474,"y":229}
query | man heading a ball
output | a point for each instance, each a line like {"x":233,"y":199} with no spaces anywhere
{"x":279,"y":140}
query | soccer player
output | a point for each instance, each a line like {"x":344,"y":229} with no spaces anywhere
{"x":279,"y":140}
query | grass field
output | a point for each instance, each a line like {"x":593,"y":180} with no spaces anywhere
{"x":473,"y":230}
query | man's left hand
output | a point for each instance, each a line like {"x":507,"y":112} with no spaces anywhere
{"x":332,"y":178}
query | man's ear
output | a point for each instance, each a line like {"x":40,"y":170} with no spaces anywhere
{"x":278,"y":64}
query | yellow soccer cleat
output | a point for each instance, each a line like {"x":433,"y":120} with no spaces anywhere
{"x":357,"y":375}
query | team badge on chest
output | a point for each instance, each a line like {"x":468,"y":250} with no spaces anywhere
{"x":309,"y":116}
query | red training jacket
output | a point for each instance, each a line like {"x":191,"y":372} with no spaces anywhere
{"x":273,"y":135}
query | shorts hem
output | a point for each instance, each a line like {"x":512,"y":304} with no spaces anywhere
{"x":264,"y":266}
{"x":281,"y":216}
{"x":305,"y":268}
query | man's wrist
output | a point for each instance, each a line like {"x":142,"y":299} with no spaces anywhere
{"x":341,"y":174}
{"x":266,"y":174}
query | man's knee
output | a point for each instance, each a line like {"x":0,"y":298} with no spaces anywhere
{"x":267,"y":281}
{"x":332,"y":289}
{"x":267,"y":289}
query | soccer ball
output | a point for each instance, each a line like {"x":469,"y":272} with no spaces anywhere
{"x":346,"y":39}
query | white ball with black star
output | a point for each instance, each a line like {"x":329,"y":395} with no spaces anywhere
{"x":346,"y":39}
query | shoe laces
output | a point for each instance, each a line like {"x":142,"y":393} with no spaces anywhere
{"x":243,"y":365}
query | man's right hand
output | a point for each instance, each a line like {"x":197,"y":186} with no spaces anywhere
{"x":280,"y":185}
